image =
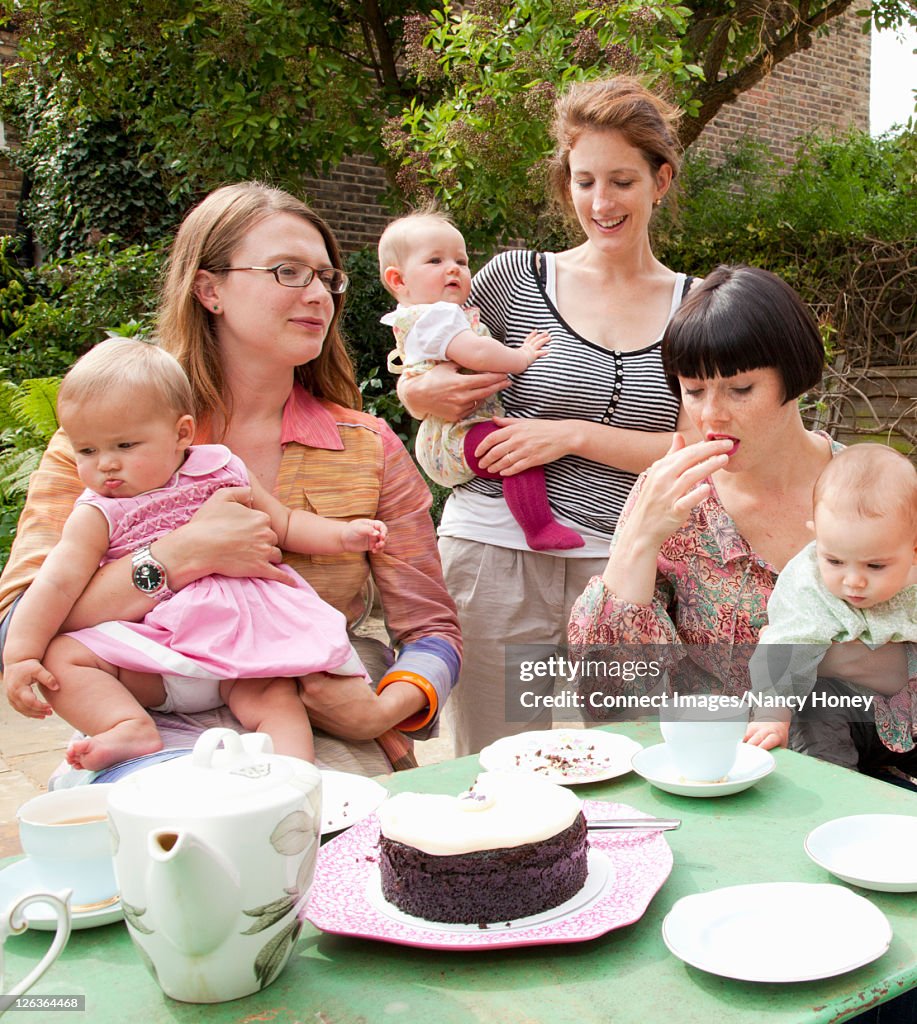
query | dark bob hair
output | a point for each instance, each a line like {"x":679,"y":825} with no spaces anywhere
{"x":743,"y":318}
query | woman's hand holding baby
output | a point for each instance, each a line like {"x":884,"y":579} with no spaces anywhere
{"x":882,"y":669}
{"x":224,"y":536}
{"x":520,"y":444}
{"x":445,"y":391}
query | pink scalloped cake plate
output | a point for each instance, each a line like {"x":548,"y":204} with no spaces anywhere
{"x":626,"y":870}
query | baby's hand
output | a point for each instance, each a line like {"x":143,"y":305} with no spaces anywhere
{"x":768,"y":734}
{"x":364,"y":535}
{"x":19,"y":677}
{"x":535,"y":346}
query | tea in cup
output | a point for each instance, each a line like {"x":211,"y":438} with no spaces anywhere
{"x":13,"y":922}
{"x":703,"y":748}
{"x":68,"y":840}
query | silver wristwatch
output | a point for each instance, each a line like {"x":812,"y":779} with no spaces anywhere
{"x":149,"y":575}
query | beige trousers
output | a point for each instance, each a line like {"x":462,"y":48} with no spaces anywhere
{"x":504,"y":597}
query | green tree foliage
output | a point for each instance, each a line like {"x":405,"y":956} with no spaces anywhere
{"x":55,"y":312}
{"x":480,"y":144}
{"x":226,"y":89}
{"x":456,"y":96}
{"x":838,"y":193}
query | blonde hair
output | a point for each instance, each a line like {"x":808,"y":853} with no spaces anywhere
{"x":206,"y":240}
{"x":871,"y":481}
{"x":623,"y":104}
{"x":121,"y":366}
{"x":395,"y":241}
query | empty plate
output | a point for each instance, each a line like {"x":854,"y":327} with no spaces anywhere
{"x":777,"y":931}
{"x":875,"y":851}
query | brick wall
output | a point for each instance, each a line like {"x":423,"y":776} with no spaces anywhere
{"x":825,"y":88}
{"x":349,"y":198}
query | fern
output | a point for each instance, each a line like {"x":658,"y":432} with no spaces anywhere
{"x":28,"y":418}
{"x":35,"y":405}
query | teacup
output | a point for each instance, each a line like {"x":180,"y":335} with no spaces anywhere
{"x":704,"y":748}
{"x":13,"y":922}
{"x":66,"y":835}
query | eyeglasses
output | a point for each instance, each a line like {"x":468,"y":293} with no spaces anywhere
{"x":299,"y":275}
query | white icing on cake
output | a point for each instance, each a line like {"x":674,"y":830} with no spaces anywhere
{"x":515,"y":810}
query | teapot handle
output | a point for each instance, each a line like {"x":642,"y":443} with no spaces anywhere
{"x":207,"y":743}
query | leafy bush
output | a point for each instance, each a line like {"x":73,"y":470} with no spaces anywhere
{"x":370,"y":342}
{"x":88,"y":178}
{"x":70,"y":305}
{"x":748,"y":207}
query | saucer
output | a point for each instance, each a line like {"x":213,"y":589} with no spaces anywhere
{"x":655,"y":765}
{"x":19,"y":879}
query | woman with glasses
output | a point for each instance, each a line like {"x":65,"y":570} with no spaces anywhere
{"x":250,"y":307}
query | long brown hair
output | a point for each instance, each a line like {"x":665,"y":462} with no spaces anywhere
{"x":206,"y":240}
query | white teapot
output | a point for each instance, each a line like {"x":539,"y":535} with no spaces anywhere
{"x":214,"y":856}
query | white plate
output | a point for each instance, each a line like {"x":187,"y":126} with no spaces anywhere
{"x":568,"y":757}
{"x":347,"y":799}
{"x":655,"y":765}
{"x":776,"y":931}
{"x":875,"y":851}
{"x":19,"y":879}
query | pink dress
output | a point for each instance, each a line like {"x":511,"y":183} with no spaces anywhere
{"x":219,"y":627}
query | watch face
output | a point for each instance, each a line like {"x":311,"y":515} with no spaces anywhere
{"x":149,"y":578}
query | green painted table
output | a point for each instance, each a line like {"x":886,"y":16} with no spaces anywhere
{"x":625,"y":977}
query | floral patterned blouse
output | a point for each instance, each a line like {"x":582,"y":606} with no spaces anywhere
{"x":709,"y":606}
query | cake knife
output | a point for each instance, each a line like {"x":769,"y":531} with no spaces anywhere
{"x":632,"y":824}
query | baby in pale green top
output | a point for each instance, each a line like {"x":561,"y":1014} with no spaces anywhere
{"x":858,"y":579}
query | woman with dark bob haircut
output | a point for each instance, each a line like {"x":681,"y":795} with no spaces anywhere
{"x":708,"y":527}
{"x":744,"y":318}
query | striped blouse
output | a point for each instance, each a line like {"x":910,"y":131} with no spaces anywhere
{"x":580,"y":380}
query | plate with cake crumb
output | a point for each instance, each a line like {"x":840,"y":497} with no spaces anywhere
{"x":347,"y":799}
{"x":625,"y":873}
{"x":569,"y":757}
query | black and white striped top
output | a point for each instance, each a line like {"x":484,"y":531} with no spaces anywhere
{"x":578,"y":380}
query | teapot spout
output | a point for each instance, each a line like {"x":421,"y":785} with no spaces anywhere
{"x":193,"y":891}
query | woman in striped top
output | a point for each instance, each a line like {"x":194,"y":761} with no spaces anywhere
{"x":595,"y":413}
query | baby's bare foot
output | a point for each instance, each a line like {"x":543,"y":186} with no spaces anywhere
{"x":123,"y":741}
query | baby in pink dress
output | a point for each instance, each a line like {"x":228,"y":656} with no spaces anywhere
{"x":125,"y":407}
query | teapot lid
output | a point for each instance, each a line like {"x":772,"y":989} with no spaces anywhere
{"x":214,"y":780}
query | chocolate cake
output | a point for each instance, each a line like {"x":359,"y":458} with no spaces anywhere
{"x":510,"y":847}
